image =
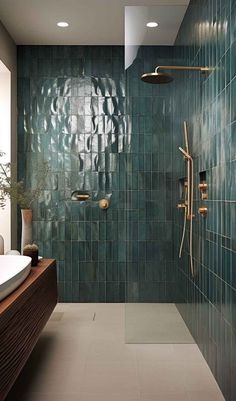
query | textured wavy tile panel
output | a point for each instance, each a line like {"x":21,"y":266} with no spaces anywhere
{"x":99,"y":131}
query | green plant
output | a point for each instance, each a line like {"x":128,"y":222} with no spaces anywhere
{"x":16,"y":190}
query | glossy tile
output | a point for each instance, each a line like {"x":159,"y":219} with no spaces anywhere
{"x":206,"y":302}
{"x":79,"y":115}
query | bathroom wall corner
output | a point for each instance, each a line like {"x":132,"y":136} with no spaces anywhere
{"x":8,"y":57}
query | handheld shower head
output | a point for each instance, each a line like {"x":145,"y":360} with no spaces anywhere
{"x":185,"y":153}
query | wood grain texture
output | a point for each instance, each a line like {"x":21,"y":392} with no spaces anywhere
{"x":23,"y":314}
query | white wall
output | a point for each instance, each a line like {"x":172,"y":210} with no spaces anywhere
{"x":8,"y":57}
{"x":5,"y":145}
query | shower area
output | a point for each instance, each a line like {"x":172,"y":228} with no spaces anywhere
{"x":152,"y":185}
{"x":117,"y":209}
{"x":165,"y":194}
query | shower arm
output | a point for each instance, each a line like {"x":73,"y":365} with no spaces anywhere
{"x":180,"y":67}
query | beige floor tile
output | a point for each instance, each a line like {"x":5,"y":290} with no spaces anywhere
{"x":160,"y":377}
{"x":119,"y":381}
{"x":206,"y":396}
{"x":153,"y":322}
{"x":42,"y":397}
{"x":153,"y":352}
{"x":109,"y":397}
{"x":198,"y":376}
{"x":58,"y":378}
{"x":187,"y":353}
{"x":104,"y":350}
{"x":176,"y":396}
{"x":65,"y":349}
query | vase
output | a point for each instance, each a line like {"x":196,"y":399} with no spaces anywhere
{"x":26,"y":231}
{"x":1,"y":245}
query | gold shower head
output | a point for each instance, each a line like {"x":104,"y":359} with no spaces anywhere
{"x":158,"y":77}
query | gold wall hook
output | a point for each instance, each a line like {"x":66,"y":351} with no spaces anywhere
{"x":80,"y":196}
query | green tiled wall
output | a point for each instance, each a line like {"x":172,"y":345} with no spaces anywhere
{"x":74,"y":112}
{"x":208,"y":103}
{"x":149,"y":182}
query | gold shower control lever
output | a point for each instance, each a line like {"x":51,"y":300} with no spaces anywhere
{"x":104,"y":204}
{"x":181,"y":206}
{"x":202,"y":186}
{"x":202,"y":211}
{"x":203,"y":190}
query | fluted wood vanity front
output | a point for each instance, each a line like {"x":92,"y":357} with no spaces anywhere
{"x":23,"y":314}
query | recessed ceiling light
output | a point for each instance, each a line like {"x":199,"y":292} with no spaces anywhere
{"x":63,"y":24}
{"x":152,"y":24}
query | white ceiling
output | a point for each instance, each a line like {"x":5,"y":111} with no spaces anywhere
{"x":92,"y":22}
{"x":168,"y":17}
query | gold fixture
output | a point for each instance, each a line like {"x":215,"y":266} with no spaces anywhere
{"x":181,"y":67}
{"x":202,"y":211}
{"x":80,"y":196}
{"x":188,"y":196}
{"x":104,"y":204}
{"x":158,"y":77}
{"x":181,"y":206}
{"x":190,"y":216}
{"x":202,"y":186}
{"x":203,"y":190}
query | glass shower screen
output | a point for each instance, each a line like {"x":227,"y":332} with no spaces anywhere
{"x":151,"y":315}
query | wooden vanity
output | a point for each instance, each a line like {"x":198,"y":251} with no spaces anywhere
{"x":23,"y":315}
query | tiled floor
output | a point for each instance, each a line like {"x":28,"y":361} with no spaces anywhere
{"x":148,"y":323}
{"x":81,"y":356}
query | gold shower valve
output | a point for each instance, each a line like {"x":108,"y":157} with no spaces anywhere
{"x":204,"y":196}
{"x":104,"y":204}
{"x":202,"y":211}
{"x":202,"y":186}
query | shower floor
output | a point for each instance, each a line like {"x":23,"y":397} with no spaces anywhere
{"x":82,"y":356}
{"x":158,"y":323}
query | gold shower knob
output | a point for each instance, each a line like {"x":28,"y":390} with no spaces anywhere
{"x":103,"y":204}
{"x":202,"y":211}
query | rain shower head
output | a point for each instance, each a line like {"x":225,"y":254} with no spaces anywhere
{"x":158,"y":77}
